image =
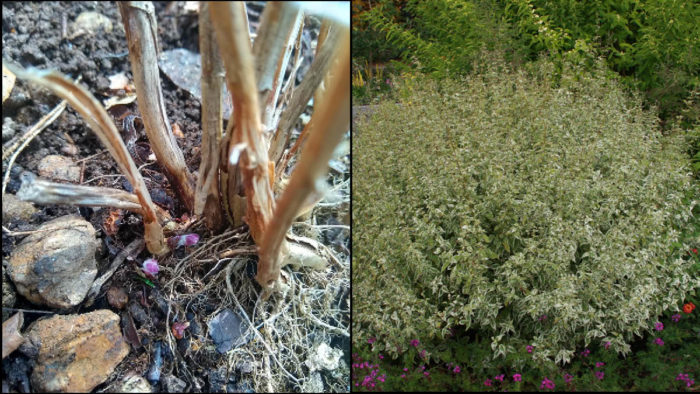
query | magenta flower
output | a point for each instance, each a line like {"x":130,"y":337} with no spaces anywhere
{"x":659,"y":341}
{"x":179,"y":241}
{"x":689,"y":382}
{"x":426,"y":373}
{"x":599,"y":375}
{"x":405,"y":369}
{"x":599,"y":364}
{"x":585,"y":352}
{"x":415,"y":343}
{"x":403,"y":375}
{"x":457,"y":370}
{"x":422,"y":353}
{"x":517,"y":377}
{"x":529,"y":348}
{"x":150,"y":268}
{"x":659,"y":326}
{"x":422,"y":367}
{"x":487,"y":382}
{"x":676,"y":318}
{"x":371,"y":340}
{"x":499,"y":377}
{"x":546,"y":383}
{"x":607,"y":345}
{"x":568,"y":378}
{"x":381,"y":357}
{"x":543,"y":317}
{"x":682,"y":376}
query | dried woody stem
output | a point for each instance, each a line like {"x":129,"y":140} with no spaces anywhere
{"x":44,"y":192}
{"x":279,"y":27}
{"x":140,"y":27}
{"x":247,"y":149}
{"x":330,"y":120}
{"x":303,"y":94}
{"x":100,"y":122}
{"x":207,"y":201}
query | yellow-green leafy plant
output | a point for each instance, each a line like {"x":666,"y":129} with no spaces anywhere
{"x":500,"y":200}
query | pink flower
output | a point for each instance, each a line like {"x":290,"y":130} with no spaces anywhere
{"x":599,"y":375}
{"x":546,"y":383}
{"x":568,"y":378}
{"x":405,"y":369}
{"x":676,"y":318}
{"x":422,"y":353}
{"x":499,"y":377}
{"x":689,"y":382}
{"x":426,"y":373}
{"x":599,"y":364}
{"x":543,"y":317}
{"x":585,"y":352}
{"x":659,"y":326}
{"x":659,"y":341}
{"x":682,"y":376}
{"x":150,"y":268}
{"x":487,"y":382}
{"x":371,"y":340}
{"x":607,"y":345}
{"x":179,"y":241}
{"x":517,"y":377}
{"x":415,"y":343}
{"x":529,"y":348}
{"x":381,"y":357}
{"x":403,"y":375}
{"x":457,"y":370}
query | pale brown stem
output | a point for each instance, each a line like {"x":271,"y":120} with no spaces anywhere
{"x":279,"y":26}
{"x":140,"y":27}
{"x":303,"y":94}
{"x":40,"y":191}
{"x":330,"y":120}
{"x":101,"y":123}
{"x":247,"y":150}
{"x":322,"y":35}
{"x":207,"y":201}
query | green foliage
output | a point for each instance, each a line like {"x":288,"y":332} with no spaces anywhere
{"x":653,"y":44}
{"x":490,"y":201}
{"x":441,"y":37}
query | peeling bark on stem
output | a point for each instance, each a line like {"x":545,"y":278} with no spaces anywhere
{"x":303,"y":94}
{"x":247,"y":150}
{"x":207,"y":201}
{"x":279,"y":27}
{"x":330,"y":120}
{"x":140,"y":27}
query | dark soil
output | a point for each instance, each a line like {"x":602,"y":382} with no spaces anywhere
{"x":37,"y":34}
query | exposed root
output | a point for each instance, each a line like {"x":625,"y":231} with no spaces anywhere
{"x":309,"y":307}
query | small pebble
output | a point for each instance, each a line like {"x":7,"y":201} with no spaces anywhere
{"x":117,"y":297}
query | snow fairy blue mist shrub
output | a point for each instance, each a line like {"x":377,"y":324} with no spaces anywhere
{"x":494,"y":200}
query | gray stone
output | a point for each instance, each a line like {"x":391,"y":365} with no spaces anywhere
{"x":173,"y":384}
{"x":56,"y":265}
{"x":15,"y":209}
{"x":134,"y":384}
{"x":74,"y":353}
{"x":227,"y":331}
{"x":59,"y":168}
{"x":8,"y":129}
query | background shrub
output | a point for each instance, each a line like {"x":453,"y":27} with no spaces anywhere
{"x":493,"y":200}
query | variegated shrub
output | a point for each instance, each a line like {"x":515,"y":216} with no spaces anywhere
{"x":489,"y":202}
